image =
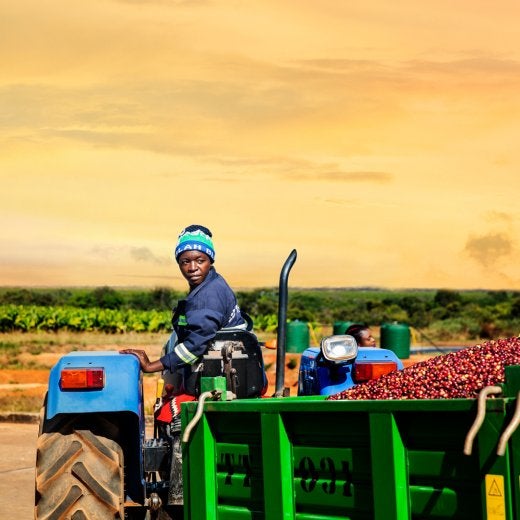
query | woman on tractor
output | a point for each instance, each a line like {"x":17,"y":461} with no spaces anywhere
{"x":362,"y":334}
{"x":211,"y":305}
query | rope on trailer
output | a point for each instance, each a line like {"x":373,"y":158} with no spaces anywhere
{"x":479,"y":419}
{"x":198,"y":414}
{"x":511,"y":427}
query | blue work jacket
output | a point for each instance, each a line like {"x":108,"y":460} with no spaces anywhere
{"x":209,"y":307}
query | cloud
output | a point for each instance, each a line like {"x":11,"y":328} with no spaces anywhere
{"x":487,"y":68}
{"x":346,"y":176}
{"x":146,"y":276}
{"x":143,"y":254}
{"x":104,"y":252}
{"x":340,"y":65}
{"x":499,"y":216}
{"x":138,"y":254}
{"x":171,"y":3}
{"x":291,"y":169}
{"x":260,"y":103}
{"x":490,"y":249}
{"x":475,"y":69}
{"x":303,"y":170}
{"x":339,"y":202}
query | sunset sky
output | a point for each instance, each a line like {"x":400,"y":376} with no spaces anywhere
{"x":378,"y":139}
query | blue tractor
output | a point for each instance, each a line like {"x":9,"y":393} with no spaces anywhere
{"x":94,"y":458}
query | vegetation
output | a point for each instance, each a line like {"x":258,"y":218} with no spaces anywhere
{"x":38,"y":326}
{"x":439,"y":314}
{"x":28,"y":318}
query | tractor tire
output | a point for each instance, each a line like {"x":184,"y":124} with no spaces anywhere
{"x":79,"y":476}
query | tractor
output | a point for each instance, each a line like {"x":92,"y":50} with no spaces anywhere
{"x":94,"y":457}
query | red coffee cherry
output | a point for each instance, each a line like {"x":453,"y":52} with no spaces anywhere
{"x":459,"y":374}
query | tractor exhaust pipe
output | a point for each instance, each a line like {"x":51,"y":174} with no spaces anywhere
{"x":282,"y":322}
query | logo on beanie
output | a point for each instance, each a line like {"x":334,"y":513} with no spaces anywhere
{"x":195,"y":240}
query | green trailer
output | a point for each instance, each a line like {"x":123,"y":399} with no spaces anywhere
{"x":308,"y":458}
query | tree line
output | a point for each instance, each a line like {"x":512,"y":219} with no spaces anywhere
{"x":444,"y":314}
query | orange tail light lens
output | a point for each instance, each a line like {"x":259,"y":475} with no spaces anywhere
{"x":365,"y":371}
{"x":82,"y":378}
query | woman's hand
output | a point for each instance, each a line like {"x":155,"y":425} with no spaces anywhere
{"x":146,"y":364}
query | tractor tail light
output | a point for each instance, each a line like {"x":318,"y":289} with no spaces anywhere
{"x":82,"y":378}
{"x":365,"y":371}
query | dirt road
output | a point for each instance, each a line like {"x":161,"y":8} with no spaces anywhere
{"x":17,"y":458}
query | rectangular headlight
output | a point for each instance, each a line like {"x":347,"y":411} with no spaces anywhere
{"x":339,"y":348}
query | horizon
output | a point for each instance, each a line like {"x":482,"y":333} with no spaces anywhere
{"x":4,"y":288}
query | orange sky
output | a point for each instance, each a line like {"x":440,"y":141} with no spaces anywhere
{"x":378,"y":139}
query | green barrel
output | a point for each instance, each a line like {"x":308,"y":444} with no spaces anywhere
{"x":297,"y":337}
{"x":340,"y":327}
{"x":396,"y":337}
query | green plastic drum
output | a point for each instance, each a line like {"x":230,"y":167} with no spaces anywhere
{"x":297,"y":337}
{"x":396,"y":337}
{"x":340,"y":327}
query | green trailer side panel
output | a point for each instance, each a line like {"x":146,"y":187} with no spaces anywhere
{"x":277,"y":469}
{"x":332,"y":474}
{"x":313,"y":459}
{"x":389,"y":471}
{"x":514,"y":454}
{"x":496,"y":488}
{"x":443,"y":483}
{"x":511,"y":389}
{"x":239,"y":467}
{"x":239,"y":454}
{"x":199,"y":473}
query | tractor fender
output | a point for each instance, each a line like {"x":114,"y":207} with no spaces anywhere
{"x":122,"y":388}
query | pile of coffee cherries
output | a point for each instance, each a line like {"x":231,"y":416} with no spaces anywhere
{"x":460,"y":374}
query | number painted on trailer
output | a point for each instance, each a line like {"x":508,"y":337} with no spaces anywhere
{"x":310,"y":475}
{"x":228,"y":462}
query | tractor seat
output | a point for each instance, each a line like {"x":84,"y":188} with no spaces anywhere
{"x":236,"y":355}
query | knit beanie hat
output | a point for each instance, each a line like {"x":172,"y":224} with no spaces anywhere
{"x":195,"y":238}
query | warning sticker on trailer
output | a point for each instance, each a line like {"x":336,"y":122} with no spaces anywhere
{"x":495,"y":499}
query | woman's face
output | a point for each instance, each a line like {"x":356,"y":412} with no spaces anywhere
{"x":194,"y":266}
{"x":367,"y":340}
